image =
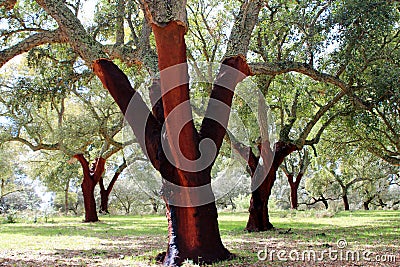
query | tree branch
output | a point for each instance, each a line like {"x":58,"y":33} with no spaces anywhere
{"x":245,"y":22}
{"x":45,"y":37}
{"x":291,"y":66}
{"x":84,"y":44}
{"x":307,"y":130}
{"x":244,"y":151}
{"x":144,"y":125}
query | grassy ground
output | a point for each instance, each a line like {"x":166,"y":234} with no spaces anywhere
{"x":136,"y":240}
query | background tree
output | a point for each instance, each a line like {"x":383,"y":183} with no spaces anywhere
{"x":40,"y":119}
{"x":294,"y":176}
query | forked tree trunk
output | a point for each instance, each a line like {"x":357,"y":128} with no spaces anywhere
{"x":91,"y":176}
{"x":294,"y":188}
{"x":193,"y":230}
{"x":259,"y":217}
{"x":105,"y":192}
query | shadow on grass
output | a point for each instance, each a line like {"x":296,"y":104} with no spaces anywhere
{"x":111,"y":227}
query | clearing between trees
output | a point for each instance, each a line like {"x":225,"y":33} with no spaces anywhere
{"x":137,"y":240}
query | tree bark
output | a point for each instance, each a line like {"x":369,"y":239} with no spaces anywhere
{"x":345,"y":202}
{"x":91,"y":176}
{"x":294,"y":187}
{"x":193,"y":233}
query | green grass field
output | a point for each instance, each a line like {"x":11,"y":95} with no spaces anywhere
{"x":136,"y":240}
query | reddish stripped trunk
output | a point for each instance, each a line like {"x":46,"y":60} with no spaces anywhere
{"x":193,"y":231}
{"x":294,"y":187}
{"x":259,"y":217}
{"x":91,"y":176}
{"x":294,"y":196}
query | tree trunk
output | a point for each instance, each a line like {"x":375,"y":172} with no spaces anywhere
{"x":294,"y":195}
{"x":66,"y":204}
{"x":325,"y":203}
{"x":89,"y":201}
{"x":368,"y":201}
{"x":259,"y":217}
{"x":193,"y":232}
{"x":193,"y":225}
{"x":194,"y":237}
{"x":104,"y":195}
{"x":154,"y":205}
{"x":345,"y":202}
{"x":294,"y":187}
{"x":91,"y":176}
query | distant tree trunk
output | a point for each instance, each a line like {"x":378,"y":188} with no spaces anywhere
{"x":294,"y":187}
{"x":325,"y":202}
{"x":259,"y":217}
{"x":345,"y":201}
{"x":232,"y":203}
{"x":2,"y":189}
{"x":105,"y":193}
{"x":66,"y":204}
{"x":154,"y":205}
{"x":381,"y":203}
{"x":91,"y":176}
{"x":368,"y":201}
{"x":294,"y":184}
{"x":320,"y":199}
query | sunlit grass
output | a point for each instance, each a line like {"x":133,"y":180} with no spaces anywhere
{"x":136,"y":240}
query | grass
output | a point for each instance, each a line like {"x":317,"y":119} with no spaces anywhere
{"x":136,"y":240}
